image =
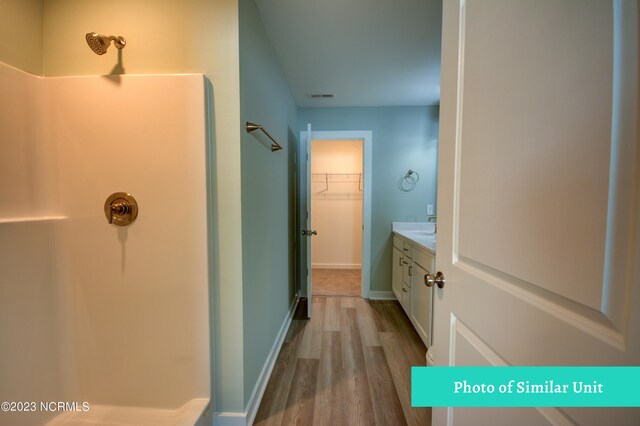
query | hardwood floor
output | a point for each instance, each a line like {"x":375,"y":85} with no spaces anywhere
{"x":349,"y":365}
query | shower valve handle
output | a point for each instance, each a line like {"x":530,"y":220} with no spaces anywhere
{"x":121,"y":209}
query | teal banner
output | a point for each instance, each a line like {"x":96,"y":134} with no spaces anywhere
{"x":525,"y":386}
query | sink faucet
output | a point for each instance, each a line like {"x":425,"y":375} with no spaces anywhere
{"x":433,"y":219}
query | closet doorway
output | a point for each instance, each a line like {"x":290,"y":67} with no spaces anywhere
{"x":306,"y":220}
{"x":337,"y":189}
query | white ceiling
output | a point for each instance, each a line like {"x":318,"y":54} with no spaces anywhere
{"x":365,"y":52}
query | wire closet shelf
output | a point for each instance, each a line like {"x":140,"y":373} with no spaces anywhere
{"x":336,"y":183}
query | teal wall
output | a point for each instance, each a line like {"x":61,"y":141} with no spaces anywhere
{"x":268,"y":238}
{"x":403,"y":138}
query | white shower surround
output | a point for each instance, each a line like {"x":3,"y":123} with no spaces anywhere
{"x":115,"y":316}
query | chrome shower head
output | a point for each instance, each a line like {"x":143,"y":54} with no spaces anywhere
{"x":100,"y":43}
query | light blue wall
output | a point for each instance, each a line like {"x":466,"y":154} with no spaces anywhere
{"x":268,"y":225}
{"x":403,"y":138}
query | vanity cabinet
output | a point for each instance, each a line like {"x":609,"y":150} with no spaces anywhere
{"x":422,"y":296}
{"x":411,"y":262}
{"x":396,"y":272}
{"x":402,"y":274}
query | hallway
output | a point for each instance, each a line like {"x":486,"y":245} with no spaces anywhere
{"x":349,"y":365}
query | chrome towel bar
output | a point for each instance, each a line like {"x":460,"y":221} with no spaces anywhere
{"x":275,"y":146}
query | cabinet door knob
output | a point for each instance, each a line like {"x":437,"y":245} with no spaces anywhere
{"x":410,"y":271}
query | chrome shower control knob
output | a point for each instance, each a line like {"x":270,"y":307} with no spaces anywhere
{"x":121,"y":209}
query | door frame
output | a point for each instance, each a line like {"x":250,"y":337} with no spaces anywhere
{"x":366,"y":136}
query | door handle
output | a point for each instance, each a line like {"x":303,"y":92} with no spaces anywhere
{"x":438,"y":279}
{"x":309,"y":232}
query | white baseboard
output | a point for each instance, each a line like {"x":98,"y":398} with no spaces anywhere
{"x":382,"y":295}
{"x":336,"y":266}
{"x":229,"y":419}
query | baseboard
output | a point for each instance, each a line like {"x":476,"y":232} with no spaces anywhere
{"x":229,"y":419}
{"x":336,"y":266}
{"x":382,"y":295}
{"x":258,"y":391}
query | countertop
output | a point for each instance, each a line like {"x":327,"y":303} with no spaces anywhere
{"x":420,"y":233}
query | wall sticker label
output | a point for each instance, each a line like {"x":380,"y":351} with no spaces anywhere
{"x":525,"y":386}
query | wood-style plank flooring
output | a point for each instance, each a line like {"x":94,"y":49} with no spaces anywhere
{"x":350,"y":364}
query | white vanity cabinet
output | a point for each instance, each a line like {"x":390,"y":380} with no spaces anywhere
{"x":396,"y":271}
{"x":422,"y":296}
{"x":402,"y":273}
{"x":411,"y":262}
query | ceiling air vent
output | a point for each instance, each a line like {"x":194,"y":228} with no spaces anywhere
{"x":320,"y":95}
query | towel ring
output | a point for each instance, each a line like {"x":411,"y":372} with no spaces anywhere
{"x":408,"y":182}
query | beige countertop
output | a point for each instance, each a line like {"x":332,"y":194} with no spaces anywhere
{"x":419,"y":233}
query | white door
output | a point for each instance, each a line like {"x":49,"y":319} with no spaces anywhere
{"x":309,"y":232}
{"x":538,"y":232}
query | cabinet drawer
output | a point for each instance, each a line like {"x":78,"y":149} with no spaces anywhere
{"x":424,"y":259}
{"x":397,"y":242}
{"x":407,"y":249}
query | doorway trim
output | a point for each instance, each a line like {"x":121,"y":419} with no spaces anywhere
{"x":366,"y":136}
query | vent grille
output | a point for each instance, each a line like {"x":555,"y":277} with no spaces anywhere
{"x":320,"y":95}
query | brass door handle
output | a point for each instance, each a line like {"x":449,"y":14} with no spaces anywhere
{"x":438,"y":279}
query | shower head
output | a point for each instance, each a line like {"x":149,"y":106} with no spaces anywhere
{"x":100,"y":43}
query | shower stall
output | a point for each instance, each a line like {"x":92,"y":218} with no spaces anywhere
{"x":104,"y":320}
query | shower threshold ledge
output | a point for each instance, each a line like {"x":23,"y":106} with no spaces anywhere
{"x":31,"y":219}
{"x":113,"y":415}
